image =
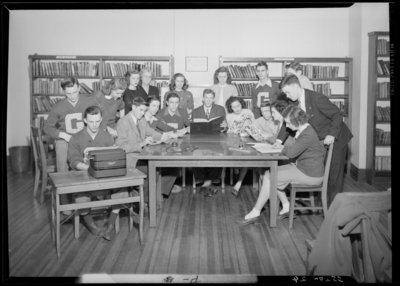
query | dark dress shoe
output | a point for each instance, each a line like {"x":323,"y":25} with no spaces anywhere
{"x":211,"y":190}
{"x":286,"y":215}
{"x":234,"y":192}
{"x":94,"y":229}
{"x":203,"y":190}
{"x":255,"y":220}
{"x":108,"y":230}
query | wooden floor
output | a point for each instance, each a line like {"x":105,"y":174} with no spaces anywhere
{"x":195,"y":235}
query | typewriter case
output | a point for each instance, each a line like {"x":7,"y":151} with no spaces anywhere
{"x":107,"y":163}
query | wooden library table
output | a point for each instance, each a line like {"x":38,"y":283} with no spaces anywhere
{"x":213,"y":151}
{"x":82,"y":181}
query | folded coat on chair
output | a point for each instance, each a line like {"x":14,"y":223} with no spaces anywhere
{"x":332,"y":251}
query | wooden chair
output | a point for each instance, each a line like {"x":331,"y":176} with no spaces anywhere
{"x":43,"y":165}
{"x":379,"y":204}
{"x":297,"y":188}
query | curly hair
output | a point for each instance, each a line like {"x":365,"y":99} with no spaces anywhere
{"x":128,"y":74}
{"x":231,"y":100}
{"x":114,"y":84}
{"x":222,"y":69}
{"x":296,"y":115}
{"x":279,"y":105}
{"x":172,"y":85}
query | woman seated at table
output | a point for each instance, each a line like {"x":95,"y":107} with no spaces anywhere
{"x":144,"y":89}
{"x":173,"y":118}
{"x":154,"y":103}
{"x":133,"y":78}
{"x":237,"y":119}
{"x":309,"y":167}
{"x":133,"y":134}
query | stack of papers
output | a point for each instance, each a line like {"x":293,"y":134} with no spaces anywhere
{"x":266,"y":148}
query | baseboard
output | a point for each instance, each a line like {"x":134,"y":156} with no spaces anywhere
{"x":358,"y":175}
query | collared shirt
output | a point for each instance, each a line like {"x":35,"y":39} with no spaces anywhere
{"x":301,"y":129}
{"x":267,"y":82}
{"x":207,"y":108}
{"x":167,"y":111}
{"x":302,"y":99}
{"x":134,"y":118}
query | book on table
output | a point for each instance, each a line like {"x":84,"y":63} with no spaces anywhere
{"x":255,"y":133}
{"x":204,"y":126}
{"x":266,"y":148}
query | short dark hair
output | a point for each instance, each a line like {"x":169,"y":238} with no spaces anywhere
{"x":172,"y":85}
{"x":265,"y":104}
{"x":294,"y":65}
{"x":114,"y":84}
{"x":69,"y":82}
{"x":279,"y":105}
{"x":138,"y":101}
{"x":262,"y":64}
{"x":152,"y":98}
{"x":128,"y":74}
{"x":296,"y":115}
{"x":222,"y":69}
{"x":172,"y":94}
{"x":208,"y":91}
{"x":231,"y":100}
{"x":92,"y":110}
{"x":289,"y":80}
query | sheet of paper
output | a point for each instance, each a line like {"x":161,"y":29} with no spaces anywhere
{"x":173,"y":125}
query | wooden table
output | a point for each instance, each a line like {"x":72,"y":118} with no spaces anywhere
{"x":213,"y":151}
{"x":81,"y":181}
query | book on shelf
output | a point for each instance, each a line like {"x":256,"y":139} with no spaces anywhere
{"x":383,"y":67}
{"x":85,"y":89}
{"x":247,"y":71}
{"x":383,"y":163}
{"x":312,"y":71}
{"x":40,"y":68}
{"x":324,"y":88}
{"x":341,"y":105}
{"x":383,"y":90}
{"x":383,"y":47}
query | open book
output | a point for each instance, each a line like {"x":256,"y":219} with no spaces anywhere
{"x":255,"y":133}
{"x":266,"y":148}
{"x":204,"y":126}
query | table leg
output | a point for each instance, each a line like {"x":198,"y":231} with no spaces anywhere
{"x":53,"y":217}
{"x":159,"y":184}
{"x":58,"y":225}
{"x":273,"y":196}
{"x":152,"y":193}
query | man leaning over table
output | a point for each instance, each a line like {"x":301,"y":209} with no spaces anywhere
{"x":134,"y":133}
{"x":208,"y":110}
{"x":93,"y":136}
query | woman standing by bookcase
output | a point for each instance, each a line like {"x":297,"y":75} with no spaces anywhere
{"x":145,"y":89}
{"x":133,"y":78}
{"x":223,"y":87}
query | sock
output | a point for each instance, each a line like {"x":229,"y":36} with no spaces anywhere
{"x":237,"y":187}
{"x":252,"y":214}
{"x":88,"y":219}
{"x":112,"y":218}
{"x":207,"y":183}
{"x":285,"y":208}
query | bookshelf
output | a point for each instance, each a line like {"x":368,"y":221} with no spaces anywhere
{"x":378,"y":159}
{"x":334,"y":73}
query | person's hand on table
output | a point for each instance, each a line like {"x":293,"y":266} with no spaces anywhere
{"x":181,"y":132}
{"x":277,"y":145}
{"x":149,"y":140}
{"x":329,"y":139}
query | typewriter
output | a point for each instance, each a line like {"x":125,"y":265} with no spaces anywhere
{"x":107,"y":163}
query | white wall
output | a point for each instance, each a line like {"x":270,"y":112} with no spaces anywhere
{"x":363,"y":18}
{"x":210,"y":33}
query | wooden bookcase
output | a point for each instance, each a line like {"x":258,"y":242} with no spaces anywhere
{"x":378,"y":153}
{"x":341,"y":85}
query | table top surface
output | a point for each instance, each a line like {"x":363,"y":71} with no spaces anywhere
{"x":210,"y":147}
{"x":75,"y":178}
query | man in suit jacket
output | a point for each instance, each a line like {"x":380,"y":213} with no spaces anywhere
{"x":208,"y":111}
{"x":133,"y":134}
{"x":327,"y":121}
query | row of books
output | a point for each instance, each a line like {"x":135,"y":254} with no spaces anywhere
{"x":159,"y":85}
{"x":120,"y":69}
{"x":244,"y":89}
{"x":64,"y":68}
{"x":341,"y":105}
{"x":44,"y":104}
{"x":382,"y":137}
{"x":324,"y":88}
{"x":247,"y":71}
{"x":249,"y":104}
{"x":38,"y":122}
{"x":383,"y":163}
{"x":383,"y":67}
{"x":383,"y":47}
{"x":383,"y":113}
{"x":383,"y":89}
{"x":312,"y":71}
{"x":53,"y":86}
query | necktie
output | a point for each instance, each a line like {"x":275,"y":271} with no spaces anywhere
{"x":208,"y":113}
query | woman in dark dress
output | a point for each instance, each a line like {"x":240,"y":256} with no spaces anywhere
{"x":133,"y":78}
{"x":144,"y":88}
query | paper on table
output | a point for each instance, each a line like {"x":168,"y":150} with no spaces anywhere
{"x":265,"y":148}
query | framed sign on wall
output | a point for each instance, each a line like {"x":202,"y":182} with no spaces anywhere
{"x":196,"y":64}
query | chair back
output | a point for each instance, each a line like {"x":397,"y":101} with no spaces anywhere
{"x":38,"y":149}
{"x":328,"y":160}
{"x":379,"y":204}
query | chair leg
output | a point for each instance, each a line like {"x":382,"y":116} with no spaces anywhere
{"x":254,"y":179}
{"x":324,"y":205}
{"x":291,"y":208}
{"x":117,"y":224}
{"x":231,"y":177}
{"x":130,"y":210}
{"x":312,"y":202}
{"x":183,"y":177}
{"x":223,"y":179}
{"x":194,"y":184}
{"x":44,"y":185}
{"x":141,"y":206}
{"x":76,"y":224}
{"x":37,"y":179}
